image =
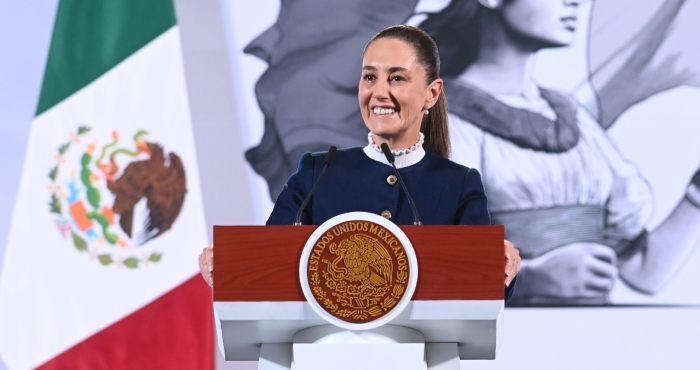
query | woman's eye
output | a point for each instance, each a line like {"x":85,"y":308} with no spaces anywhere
{"x":397,"y":78}
{"x":368,"y":78}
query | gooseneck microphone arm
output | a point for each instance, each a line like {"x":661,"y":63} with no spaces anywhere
{"x":390,"y":157}
{"x":329,"y":159}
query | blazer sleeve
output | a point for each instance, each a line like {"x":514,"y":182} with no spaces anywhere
{"x":293,"y":194}
{"x":473,"y":208}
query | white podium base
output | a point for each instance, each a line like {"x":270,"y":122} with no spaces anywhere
{"x":275,"y":356}
{"x":476,"y":326}
{"x":442,"y":356}
{"x":387,"y":347}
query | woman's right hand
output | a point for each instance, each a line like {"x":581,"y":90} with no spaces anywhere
{"x":206,"y":264}
{"x":578,"y":270}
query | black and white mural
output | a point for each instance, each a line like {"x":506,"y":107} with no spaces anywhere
{"x":577,"y":114}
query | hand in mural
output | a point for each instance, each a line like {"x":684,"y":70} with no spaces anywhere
{"x":577,"y":270}
{"x":206,"y":264}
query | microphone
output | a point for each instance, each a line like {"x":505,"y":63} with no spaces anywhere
{"x":327,"y":162}
{"x":390,"y":157}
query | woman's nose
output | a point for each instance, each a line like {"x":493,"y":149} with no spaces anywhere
{"x":381,"y":89}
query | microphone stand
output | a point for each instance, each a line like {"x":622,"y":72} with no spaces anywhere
{"x":390,"y":157}
{"x":327,"y":162}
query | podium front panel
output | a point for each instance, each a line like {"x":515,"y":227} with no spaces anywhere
{"x":261,"y":263}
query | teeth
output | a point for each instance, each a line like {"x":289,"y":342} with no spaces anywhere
{"x":384,"y":110}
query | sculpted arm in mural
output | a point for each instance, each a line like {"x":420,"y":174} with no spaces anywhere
{"x":567,"y":172}
{"x":668,"y":246}
{"x":646,"y":55}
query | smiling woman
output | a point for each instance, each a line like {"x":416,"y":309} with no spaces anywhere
{"x":402,"y":104}
{"x":393,"y":93}
{"x":400,"y":84}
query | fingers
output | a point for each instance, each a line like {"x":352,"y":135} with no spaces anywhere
{"x":206,"y":264}
{"x":601,"y":252}
{"x":512,"y":267}
{"x":509,"y":249}
{"x":601,"y":272}
{"x":512,"y":261}
{"x":601,"y":268}
{"x":597,"y":285}
{"x":601,"y":277}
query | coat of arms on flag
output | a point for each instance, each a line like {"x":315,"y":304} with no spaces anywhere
{"x":110,"y":197}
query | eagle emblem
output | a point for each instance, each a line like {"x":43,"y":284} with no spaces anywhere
{"x":358,"y":274}
{"x":365,"y":260}
{"x":110,"y":199}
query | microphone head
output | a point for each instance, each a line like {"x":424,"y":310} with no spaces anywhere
{"x":331,"y":155}
{"x":387,"y":152}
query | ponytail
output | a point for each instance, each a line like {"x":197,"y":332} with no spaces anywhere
{"x":435,"y":128}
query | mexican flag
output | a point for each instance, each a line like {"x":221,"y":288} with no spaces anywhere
{"x":100,"y":269}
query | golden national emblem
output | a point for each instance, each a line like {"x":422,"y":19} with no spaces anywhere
{"x":358,"y":271}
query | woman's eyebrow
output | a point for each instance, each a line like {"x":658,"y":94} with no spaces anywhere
{"x":398,"y":69}
{"x":391,"y":70}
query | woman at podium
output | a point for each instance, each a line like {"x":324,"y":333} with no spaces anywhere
{"x":403,"y":106}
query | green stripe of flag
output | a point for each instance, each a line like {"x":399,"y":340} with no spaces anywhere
{"x":92,"y":36}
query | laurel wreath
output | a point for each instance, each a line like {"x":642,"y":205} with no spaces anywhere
{"x":79,"y":242}
{"x":376,"y":308}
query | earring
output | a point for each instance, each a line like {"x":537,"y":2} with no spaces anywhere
{"x":427,"y":112}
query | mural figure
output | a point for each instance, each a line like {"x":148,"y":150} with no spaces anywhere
{"x":571,"y":202}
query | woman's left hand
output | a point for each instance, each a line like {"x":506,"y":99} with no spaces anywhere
{"x":512,"y":261}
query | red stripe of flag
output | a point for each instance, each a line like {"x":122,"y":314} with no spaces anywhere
{"x":173,"y":332}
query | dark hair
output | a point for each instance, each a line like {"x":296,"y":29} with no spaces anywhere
{"x":455,"y":30}
{"x":434,"y":126}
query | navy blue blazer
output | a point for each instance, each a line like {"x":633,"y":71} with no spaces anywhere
{"x":445,"y":192}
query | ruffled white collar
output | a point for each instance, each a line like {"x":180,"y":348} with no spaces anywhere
{"x":402,"y":158}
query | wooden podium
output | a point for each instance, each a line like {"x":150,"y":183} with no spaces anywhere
{"x":458,"y":299}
